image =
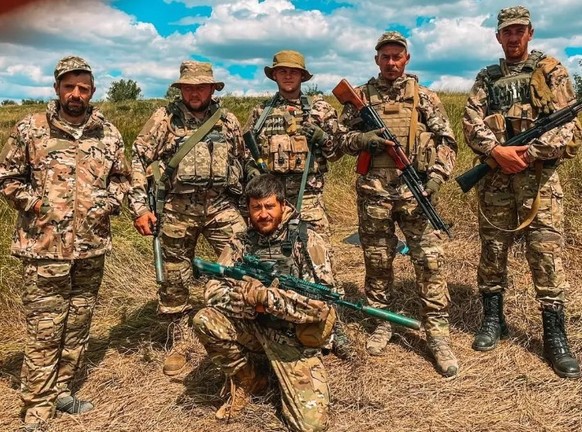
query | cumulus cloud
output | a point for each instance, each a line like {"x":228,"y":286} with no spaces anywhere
{"x":449,"y":42}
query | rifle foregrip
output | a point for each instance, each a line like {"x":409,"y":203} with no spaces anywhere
{"x":393,"y":317}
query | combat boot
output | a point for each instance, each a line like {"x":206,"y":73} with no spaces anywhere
{"x":181,"y":336}
{"x":446,"y":362}
{"x":72,"y":405}
{"x":342,"y":346}
{"x":246,"y":382}
{"x":493,"y":326}
{"x":379,"y":339}
{"x":556,"y":348}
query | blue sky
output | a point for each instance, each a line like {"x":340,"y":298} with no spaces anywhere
{"x":146,"y":40}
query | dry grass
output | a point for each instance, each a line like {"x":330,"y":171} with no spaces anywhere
{"x":510,"y":388}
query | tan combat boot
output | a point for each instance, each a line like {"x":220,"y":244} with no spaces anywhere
{"x":446,"y":362}
{"x":246,"y":382}
{"x":379,"y":339}
{"x":177,"y":358}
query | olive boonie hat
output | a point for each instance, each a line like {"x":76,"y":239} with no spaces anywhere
{"x":290,"y":59}
{"x":70,"y":64}
{"x":513,"y":15}
{"x":391,"y":37}
{"x":193,"y":72}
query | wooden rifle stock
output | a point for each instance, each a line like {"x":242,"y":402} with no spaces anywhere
{"x":345,"y":93}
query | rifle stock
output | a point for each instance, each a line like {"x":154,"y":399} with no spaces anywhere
{"x":542,"y":125}
{"x":345,"y":93}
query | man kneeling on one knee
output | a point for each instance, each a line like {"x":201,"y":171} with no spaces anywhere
{"x":246,"y":318}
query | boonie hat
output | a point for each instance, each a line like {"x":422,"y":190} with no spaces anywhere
{"x":391,"y":37}
{"x":70,"y":64}
{"x":513,"y":15}
{"x":193,"y":72}
{"x":290,"y":59}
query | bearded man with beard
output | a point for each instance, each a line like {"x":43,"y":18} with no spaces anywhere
{"x":65,"y":173}
{"x":203,"y":189}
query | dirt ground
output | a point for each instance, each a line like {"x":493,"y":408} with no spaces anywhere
{"x":511,"y":388}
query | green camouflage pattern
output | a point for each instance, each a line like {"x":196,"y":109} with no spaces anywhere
{"x":79,"y":173}
{"x":384,"y":201}
{"x":505,"y":200}
{"x":233,"y":333}
{"x":58,"y":298}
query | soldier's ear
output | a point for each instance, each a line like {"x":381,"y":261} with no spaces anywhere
{"x":56,"y":87}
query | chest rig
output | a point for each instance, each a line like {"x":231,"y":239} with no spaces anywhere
{"x":209,"y":162}
{"x":509,"y":96}
{"x":283,"y":145}
{"x":402,"y":117}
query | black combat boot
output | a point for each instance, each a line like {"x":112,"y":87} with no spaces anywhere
{"x":493,"y":326}
{"x":556,"y":347}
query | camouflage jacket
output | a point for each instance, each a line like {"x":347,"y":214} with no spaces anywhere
{"x":432,"y":117}
{"x":78,"y":172}
{"x":159,"y":140}
{"x":323,"y":115}
{"x":310,"y":262}
{"x":481,"y":138}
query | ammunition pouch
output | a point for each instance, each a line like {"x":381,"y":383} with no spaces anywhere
{"x":425,"y":152}
{"x":287,"y":153}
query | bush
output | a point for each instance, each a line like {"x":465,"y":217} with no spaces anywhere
{"x":123,"y":90}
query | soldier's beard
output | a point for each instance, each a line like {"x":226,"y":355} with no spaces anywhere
{"x":76,"y":110}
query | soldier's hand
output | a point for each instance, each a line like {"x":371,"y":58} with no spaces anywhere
{"x":253,"y":293}
{"x":145,"y":223}
{"x":432,"y":186}
{"x":511,"y":159}
{"x":373,"y":141}
{"x":314,"y":134}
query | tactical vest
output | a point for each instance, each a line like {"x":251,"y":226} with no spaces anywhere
{"x":403,"y":119}
{"x":283,"y":146}
{"x":509,"y":109}
{"x":210,"y":162}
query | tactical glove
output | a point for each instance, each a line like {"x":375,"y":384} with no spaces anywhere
{"x":251,"y":170}
{"x":432,"y":186}
{"x":314,"y":134}
{"x":371,"y":141}
{"x":541,"y":95}
{"x":252,"y":292}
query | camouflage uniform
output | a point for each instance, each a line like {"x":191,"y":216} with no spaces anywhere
{"x":505,"y":199}
{"x":198,"y":201}
{"x":80,"y":174}
{"x":232,"y":335}
{"x":284,"y":147}
{"x":384,"y":199}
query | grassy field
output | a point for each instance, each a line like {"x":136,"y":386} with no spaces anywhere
{"x":510,"y":388}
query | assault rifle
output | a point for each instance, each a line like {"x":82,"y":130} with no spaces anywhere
{"x":264,"y":272}
{"x":250,"y":136}
{"x":345,"y":93}
{"x":156,"y":200}
{"x":542,"y":125}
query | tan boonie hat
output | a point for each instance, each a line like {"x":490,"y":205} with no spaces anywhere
{"x":513,"y":15}
{"x":391,"y":37}
{"x":70,"y":64}
{"x":193,"y":72}
{"x":290,"y":59}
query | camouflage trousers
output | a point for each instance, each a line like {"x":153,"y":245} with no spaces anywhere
{"x":183,"y":222}
{"x":506,"y":200}
{"x":59,"y":298}
{"x":377,"y":218}
{"x":299,"y":370}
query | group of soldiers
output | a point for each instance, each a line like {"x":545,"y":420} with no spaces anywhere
{"x":65,"y":173}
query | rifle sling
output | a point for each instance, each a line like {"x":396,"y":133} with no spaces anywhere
{"x":538,"y":166}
